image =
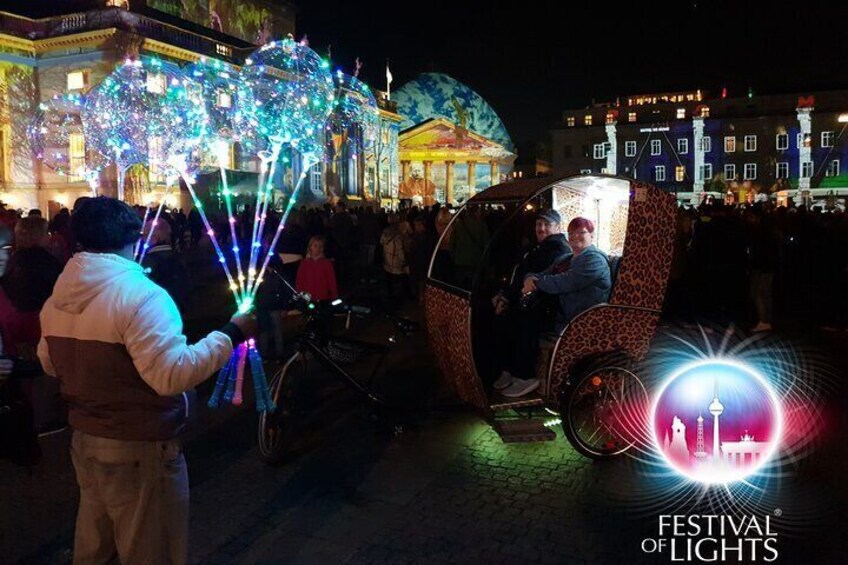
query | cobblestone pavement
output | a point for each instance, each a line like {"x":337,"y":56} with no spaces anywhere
{"x":445,"y":491}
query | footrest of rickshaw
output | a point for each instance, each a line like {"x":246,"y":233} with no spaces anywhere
{"x":498,"y":403}
{"x":523,"y":431}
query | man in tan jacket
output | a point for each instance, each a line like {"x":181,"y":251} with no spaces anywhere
{"x":115,"y":341}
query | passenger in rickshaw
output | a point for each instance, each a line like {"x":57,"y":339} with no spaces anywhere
{"x":587,"y":281}
{"x":518,"y":326}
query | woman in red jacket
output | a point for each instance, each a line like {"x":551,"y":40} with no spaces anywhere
{"x":316,"y":274}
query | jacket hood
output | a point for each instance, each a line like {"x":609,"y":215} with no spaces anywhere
{"x":86,"y":275}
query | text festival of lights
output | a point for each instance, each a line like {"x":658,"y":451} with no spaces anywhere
{"x":701,"y":538}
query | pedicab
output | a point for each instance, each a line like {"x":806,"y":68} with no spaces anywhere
{"x":589,"y":370}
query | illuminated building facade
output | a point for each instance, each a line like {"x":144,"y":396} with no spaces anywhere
{"x":52,"y":48}
{"x":739,"y":149}
{"x":452,"y":145}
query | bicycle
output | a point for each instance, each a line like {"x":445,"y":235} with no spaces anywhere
{"x":289,"y":385}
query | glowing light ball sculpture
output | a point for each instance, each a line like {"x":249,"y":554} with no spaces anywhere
{"x":355,"y":107}
{"x":294,"y":95}
{"x":141,"y":113}
{"x":291,"y":96}
{"x":56,"y":126}
{"x":229,"y":106}
{"x":355,"y":118}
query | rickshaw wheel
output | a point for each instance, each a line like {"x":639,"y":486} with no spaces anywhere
{"x":603,"y":409}
{"x":275,"y":432}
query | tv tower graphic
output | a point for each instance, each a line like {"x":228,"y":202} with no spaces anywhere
{"x":700,"y":451}
{"x":716,"y":408}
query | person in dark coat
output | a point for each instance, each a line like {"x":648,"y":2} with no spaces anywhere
{"x":519,"y":327}
{"x":585,"y":283}
{"x":167,"y":268}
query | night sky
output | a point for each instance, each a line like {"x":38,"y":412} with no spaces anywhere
{"x":532,"y":59}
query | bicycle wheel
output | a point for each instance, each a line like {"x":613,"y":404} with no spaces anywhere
{"x":604,"y":409}
{"x":276,"y":429}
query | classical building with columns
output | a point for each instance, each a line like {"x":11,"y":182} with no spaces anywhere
{"x":442,"y":162}
{"x":743,"y":148}
{"x":452,"y":143}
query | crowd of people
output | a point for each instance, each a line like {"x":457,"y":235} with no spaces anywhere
{"x":757,"y":264}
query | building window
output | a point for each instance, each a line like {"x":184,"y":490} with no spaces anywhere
{"x":750,"y":143}
{"x":681,"y":113}
{"x":77,"y":80}
{"x":224,"y":99}
{"x":679,"y":173}
{"x":682,"y":145}
{"x":223,"y":50}
{"x":656,"y":147}
{"x":706,"y":144}
{"x":832,"y":169}
{"x":750,"y":171}
{"x":706,"y":171}
{"x":730,"y":172}
{"x":827,"y":139}
{"x":781,"y":170}
{"x":566,"y":152}
{"x":125,"y":4}
{"x":730,"y":144}
{"x":156,"y":83}
{"x":599,"y":151}
{"x":705,"y":111}
{"x":806,"y":169}
{"x":631,"y":117}
{"x":316,"y":178}
{"x":659,"y":173}
{"x":569,"y":121}
{"x":804,"y":140}
{"x":587,"y":120}
{"x":629,"y":148}
{"x":610,"y":118}
{"x":782,"y":141}
{"x":76,"y":157}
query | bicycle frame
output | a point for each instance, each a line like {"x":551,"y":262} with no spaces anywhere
{"x":307,"y":344}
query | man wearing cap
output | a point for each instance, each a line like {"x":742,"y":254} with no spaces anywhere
{"x":521,"y":327}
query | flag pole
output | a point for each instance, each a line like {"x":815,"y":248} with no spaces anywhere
{"x":388,"y":81}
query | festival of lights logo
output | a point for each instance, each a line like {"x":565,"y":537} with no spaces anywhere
{"x":717,"y":421}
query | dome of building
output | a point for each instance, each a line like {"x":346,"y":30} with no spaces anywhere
{"x":436,"y":95}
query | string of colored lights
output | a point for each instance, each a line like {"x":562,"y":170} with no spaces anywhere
{"x":241,"y":303}
{"x":227,"y":102}
{"x":143,"y":248}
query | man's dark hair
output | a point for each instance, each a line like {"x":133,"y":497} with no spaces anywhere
{"x":104,"y":224}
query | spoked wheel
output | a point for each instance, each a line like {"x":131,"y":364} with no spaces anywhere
{"x":604,"y":409}
{"x":276,"y":428}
